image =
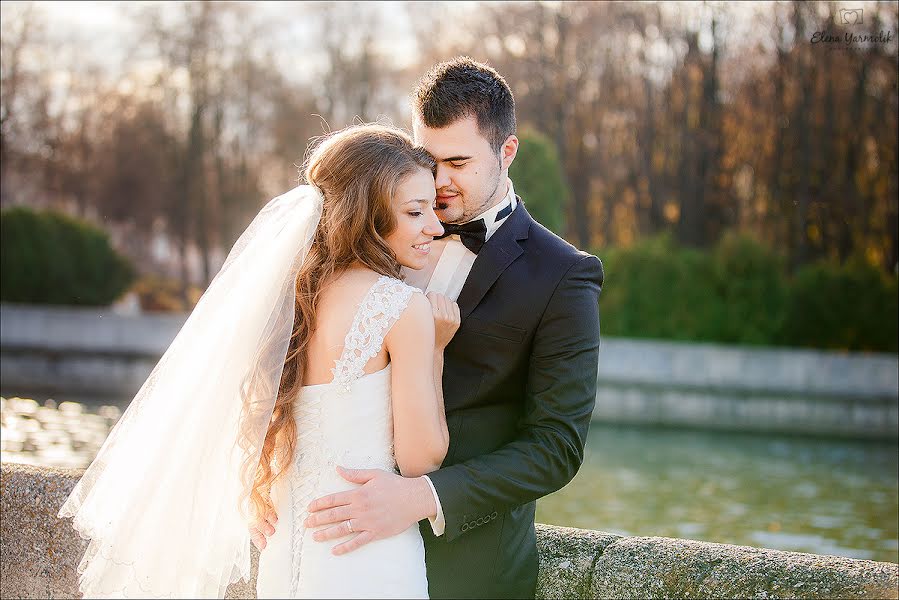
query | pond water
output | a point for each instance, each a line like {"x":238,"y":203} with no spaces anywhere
{"x":824,"y":496}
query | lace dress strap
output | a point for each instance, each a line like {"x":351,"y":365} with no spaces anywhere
{"x":379,"y":310}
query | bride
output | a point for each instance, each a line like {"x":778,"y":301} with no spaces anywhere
{"x":306,"y":351}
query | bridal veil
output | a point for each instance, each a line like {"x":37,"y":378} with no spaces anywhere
{"x":163,"y":502}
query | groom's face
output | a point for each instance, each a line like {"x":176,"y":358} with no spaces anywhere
{"x":470,"y":176}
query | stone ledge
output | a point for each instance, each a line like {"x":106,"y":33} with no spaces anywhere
{"x":624,"y":362}
{"x":39,"y":554}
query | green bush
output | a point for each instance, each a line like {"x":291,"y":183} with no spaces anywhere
{"x":539,"y":180}
{"x":51,"y":258}
{"x":852,"y":307}
{"x":654,"y":290}
{"x":750,"y":291}
{"x":739,"y":293}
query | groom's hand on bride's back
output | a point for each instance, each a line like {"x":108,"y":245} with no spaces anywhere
{"x":384,"y":505}
{"x":262,"y":528}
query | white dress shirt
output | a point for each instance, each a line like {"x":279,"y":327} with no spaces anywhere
{"x":448,"y":278}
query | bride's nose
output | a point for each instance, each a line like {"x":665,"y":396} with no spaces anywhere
{"x":432,"y":226}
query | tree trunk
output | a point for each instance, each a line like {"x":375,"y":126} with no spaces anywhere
{"x":801,"y":118}
{"x":691,"y":201}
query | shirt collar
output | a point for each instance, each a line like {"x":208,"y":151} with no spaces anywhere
{"x":489,"y":215}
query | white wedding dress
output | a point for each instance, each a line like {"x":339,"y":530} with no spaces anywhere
{"x":346,"y":422}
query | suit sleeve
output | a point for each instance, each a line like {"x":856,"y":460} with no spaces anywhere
{"x":560,"y":395}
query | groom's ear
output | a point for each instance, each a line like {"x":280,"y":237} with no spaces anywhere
{"x":508,"y":151}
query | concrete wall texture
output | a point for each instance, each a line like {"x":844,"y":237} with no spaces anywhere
{"x":738,"y":388}
{"x":39,"y":554}
{"x":96,"y":352}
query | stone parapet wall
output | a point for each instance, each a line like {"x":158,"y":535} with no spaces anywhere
{"x":767,"y":390}
{"x":830,"y":416}
{"x":39,"y":554}
{"x":81,"y":352}
{"x":623,"y":362}
{"x":97,"y":353}
{"x":760,"y":370}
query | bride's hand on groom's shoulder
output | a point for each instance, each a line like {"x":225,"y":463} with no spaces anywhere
{"x":446,"y":319}
{"x":263,"y":528}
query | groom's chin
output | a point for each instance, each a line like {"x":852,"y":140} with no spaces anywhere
{"x":448,"y":214}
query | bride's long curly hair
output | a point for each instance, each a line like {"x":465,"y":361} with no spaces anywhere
{"x":358,"y":170}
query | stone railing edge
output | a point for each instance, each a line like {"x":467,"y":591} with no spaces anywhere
{"x":40,"y":553}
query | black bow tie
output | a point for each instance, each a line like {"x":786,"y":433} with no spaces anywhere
{"x":474,"y":233}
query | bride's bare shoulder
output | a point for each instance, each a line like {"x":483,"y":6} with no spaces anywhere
{"x":340,"y":297}
{"x":349,"y":283}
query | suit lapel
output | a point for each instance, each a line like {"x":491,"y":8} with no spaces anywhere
{"x":495,"y":256}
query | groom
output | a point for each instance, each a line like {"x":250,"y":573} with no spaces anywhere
{"x":520,"y":374}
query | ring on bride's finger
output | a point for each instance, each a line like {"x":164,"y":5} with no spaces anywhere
{"x":349,"y":525}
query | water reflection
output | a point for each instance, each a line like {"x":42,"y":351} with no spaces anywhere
{"x":65,"y":436}
{"x":823,"y":496}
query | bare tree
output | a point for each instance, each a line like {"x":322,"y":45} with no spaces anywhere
{"x":354,"y":67}
{"x":20,"y":77}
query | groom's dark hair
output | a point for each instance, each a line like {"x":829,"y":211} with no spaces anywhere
{"x":463,"y":87}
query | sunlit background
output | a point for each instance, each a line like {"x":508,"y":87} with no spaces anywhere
{"x":733,"y":164}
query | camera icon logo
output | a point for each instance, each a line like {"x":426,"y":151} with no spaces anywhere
{"x":851,"y":16}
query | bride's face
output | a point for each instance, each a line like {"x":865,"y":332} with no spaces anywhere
{"x":416,"y":222}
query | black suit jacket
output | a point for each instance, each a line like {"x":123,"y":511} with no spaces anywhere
{"x":519,"y":386}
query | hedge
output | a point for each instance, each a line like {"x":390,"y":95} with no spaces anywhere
{"x":51,"y":258}
{"x":740,"y":293}
{"x":539,"y":179}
